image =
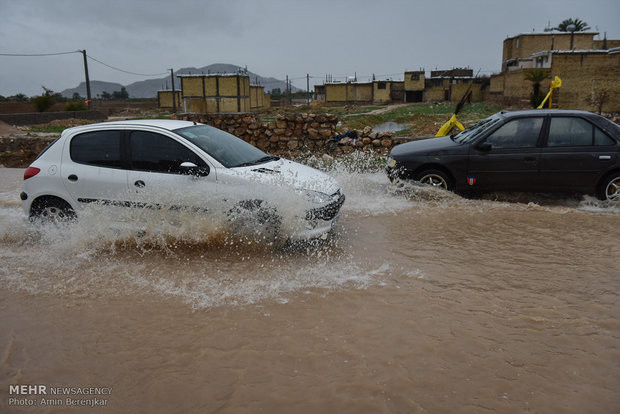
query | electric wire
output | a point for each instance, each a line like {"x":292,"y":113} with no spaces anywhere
{"x":126,"y":71}
{"x":39,"y":54}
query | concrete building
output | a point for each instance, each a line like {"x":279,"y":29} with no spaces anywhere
{"x":414,"y":86}
{"x":216,"y":93}
{"x":375,"y":92}
{"x":165,"y":101}
{"x":590,"y":70}
{"x":443,"y":85}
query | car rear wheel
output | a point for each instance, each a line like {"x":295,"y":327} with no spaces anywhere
{"x":610,"y":188}
{"x":51,"y":210}
{"x":435,"y":178}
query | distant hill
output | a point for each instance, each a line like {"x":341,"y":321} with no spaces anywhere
{"x":148,"y":88}
{"x":96,"y":88}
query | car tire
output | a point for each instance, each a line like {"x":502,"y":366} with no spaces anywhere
{"x":609,"y":189}
{"x":435,"y":178}
{"x":51,"y":210}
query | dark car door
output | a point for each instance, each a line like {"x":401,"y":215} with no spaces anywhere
{"x":508,"y":158}
{"x":576,"y":154}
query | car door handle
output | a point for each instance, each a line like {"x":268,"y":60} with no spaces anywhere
{"x":139,"y":184}
{"x":530,"y":160}
{"x":72,"y":177}
{"x":604,"y":157}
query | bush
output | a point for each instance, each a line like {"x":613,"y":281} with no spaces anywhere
{"x":75,"y":106}
{"x":43,"y":103}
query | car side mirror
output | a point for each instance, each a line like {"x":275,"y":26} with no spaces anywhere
{"x":189,"y":168}
{"x":485,"y":146}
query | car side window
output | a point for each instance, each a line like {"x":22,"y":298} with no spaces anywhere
{"x":602,"y":139}
{"x":100,"y":148}
{"x":571,"y":132}
{"x":158,"y":153}
{"x":518,"y":133}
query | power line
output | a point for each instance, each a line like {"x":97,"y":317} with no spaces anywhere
{"x":126,"y":71}
{"x":39,"y":54}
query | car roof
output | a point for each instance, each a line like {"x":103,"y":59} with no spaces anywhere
{"x":544,"y":112}
{"x":167,"y":124}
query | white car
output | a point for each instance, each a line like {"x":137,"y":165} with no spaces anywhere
{"x":171,"y":165}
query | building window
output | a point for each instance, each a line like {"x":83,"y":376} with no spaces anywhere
{"x":381,"y":85}
{"x":415,"y":76}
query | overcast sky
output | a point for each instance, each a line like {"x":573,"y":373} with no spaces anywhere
{"x":271,"y":37}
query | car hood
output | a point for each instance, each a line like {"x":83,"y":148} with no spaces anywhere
{"x":430,"y":146}
{"x":289,"y":173}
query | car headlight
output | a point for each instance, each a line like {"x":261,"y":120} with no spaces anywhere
{"x":316,"y":197}
{"x":391,"y":162}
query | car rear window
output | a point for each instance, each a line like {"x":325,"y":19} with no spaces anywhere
{"x":100,"y":148}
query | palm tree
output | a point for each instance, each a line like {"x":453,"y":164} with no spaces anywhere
{"x":580,"y":25}
{"x":536,"y":76}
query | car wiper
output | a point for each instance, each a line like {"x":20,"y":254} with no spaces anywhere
{"x":267,"y":159}
{"x":258,"y":161}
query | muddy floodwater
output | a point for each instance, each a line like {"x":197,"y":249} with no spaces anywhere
{"x":420,"y":302}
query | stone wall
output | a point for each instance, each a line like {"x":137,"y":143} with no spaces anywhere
{"x":20,"y":152}
{"x":295,"y":133}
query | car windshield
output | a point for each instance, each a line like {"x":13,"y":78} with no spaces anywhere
{"x":226,"y":148}
{"x":475,"y":130}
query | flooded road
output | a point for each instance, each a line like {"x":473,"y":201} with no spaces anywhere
{"x":420,"y":302}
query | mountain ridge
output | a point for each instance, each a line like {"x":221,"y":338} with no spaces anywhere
{"x":148,"y":88}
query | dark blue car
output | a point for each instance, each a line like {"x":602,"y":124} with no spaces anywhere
{"x":530,"y":151}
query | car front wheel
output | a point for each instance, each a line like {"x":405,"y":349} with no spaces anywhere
{"x":51,"y":210}
{"x":610,"y":188}
{"x":435,"y":178}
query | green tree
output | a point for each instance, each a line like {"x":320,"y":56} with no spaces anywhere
{"x":580,"y":25}
{"x":123,"y":94}
{"x":45,"y":101}
{"x":536,"y":76}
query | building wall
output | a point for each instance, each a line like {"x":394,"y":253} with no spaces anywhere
{"x":434,"y":94}
{"x":164,"y":99}
{"x":598,"y":44}
{"x":414,"y":81}
{"x":524,"y":45}
{"x":458,"y":91}
{"x":258,"y":99}
{"x":336,"y":92}
{"x":381,"y":92}
{"x":348,"y":92}
{"x":497,"y":84}
{"x":587,"y":74}
{"x":192,"y":86}
{"x":217,"y":93}
{"x":360,"y":92}
{"x":515,"y":85}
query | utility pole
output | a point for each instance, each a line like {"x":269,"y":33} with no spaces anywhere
{"x":308,"y":86}
{"x":174,"y":94}
{"x":288,"y":94}
{"x":88,"y":98}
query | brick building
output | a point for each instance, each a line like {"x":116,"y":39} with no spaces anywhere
{"x":590,"y":70}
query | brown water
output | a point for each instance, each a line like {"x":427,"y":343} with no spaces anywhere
{"x":421,"y":302}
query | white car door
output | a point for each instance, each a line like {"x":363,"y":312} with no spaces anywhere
{"x":92,"y":169}
{"x":160,"y":175}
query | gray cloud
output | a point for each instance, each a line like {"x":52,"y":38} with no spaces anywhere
{"x":272,"y":37}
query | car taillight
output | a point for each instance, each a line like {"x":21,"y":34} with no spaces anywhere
{"x":31,"y":172}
